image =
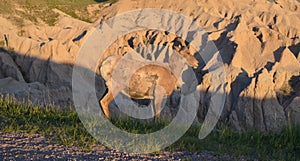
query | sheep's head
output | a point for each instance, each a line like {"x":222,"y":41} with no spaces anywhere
{"x":108,"y":66}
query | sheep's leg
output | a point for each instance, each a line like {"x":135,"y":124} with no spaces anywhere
{"x":153,"y":108}
{"x":159,"y":93}
{"x":106,"y":100}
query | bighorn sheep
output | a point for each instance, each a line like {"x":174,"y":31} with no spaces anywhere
{"x":150,"y":80}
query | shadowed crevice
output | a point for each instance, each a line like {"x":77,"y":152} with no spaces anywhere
{"x":225,"y":46}
{"x":295,"y":49}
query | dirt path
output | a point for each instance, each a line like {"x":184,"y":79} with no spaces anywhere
{"x":20,"y":146}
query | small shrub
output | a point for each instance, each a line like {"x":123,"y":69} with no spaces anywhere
{"x":286,"y":89}
{"x":2,"y":43}
{"x":21,"y":33}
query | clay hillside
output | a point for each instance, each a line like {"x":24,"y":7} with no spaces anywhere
{"x":259,"y":41}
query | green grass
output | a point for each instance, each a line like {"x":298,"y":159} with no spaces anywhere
{"x":64,"y":127}
{"x":284,"y":145}
{"x":35,"y":10}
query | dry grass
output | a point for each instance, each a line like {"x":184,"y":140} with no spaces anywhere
{"x":38,"y":11}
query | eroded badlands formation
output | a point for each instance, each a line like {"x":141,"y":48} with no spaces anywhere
{"x":258,"y":41}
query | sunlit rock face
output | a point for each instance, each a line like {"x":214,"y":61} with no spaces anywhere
{"x":258,"y":42}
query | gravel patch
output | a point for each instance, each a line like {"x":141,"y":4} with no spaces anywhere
{"x":21,"y":146}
